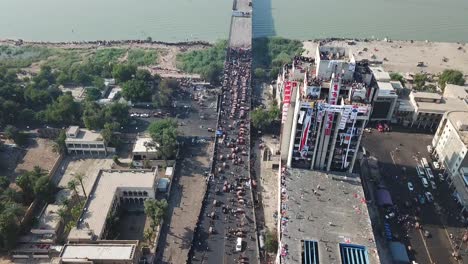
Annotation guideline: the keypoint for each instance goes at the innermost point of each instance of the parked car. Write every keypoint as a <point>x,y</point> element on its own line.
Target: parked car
<point>410,186</point>
<point>433,185</point>
<point>429,173</point>
<point>435,165</point>
<point>424,182</point>
<point>420,171</point>
<point>441,177</point>
<point>422,200</point>
<point>429,197</point>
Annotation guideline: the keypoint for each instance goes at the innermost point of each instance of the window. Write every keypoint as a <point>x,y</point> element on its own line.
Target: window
<point>354,254</point>
<point>310,254</point>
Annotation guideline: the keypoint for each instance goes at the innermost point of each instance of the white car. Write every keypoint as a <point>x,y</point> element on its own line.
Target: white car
<point>436,165</point>
<point>433,185</point>
<point>429,148</point>
<point>424,182</point>
<point>410,186</point>
<point>420,171</point>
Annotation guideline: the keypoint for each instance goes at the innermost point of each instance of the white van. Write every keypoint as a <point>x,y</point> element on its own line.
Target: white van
<point>239,244</point>
<point>425,183</point>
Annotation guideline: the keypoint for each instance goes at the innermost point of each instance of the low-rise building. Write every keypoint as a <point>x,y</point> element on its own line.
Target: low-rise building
<point>84,141</point>
<point>111,189</point>
<point>430,107</point>
<point>101,252</point>
<point>450,146</point>
<point>144,149</point>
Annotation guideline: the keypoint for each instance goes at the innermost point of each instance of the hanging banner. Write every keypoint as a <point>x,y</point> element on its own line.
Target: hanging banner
<point>301,117</point>
<point>305,129</point>
<point>287,93</point>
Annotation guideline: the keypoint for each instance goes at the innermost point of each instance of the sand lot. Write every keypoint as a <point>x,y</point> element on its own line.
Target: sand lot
<point>403,56</point>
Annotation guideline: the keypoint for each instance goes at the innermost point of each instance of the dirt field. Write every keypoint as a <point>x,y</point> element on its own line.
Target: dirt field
<point>40,153</point>
<point>87,165</point>
<point>403,56</point>
<point>185,204</point>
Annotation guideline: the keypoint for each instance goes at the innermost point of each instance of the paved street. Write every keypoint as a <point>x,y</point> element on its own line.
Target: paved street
<point>184,204</point>
<point>398,153</point>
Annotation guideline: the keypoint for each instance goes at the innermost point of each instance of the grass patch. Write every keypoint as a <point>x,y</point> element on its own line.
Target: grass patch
<point>65,59</point>
<point>141,57</point>
<point>24,56</point>
<point>104,56</point>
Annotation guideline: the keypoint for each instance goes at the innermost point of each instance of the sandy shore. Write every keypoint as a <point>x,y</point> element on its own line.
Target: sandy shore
<point>403,56</point>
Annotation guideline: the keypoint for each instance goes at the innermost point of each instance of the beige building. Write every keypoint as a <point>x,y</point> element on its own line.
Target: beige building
<point>84,141</point>
<point>430,107</point>
<point>111,189</point>
<point>144,149</point>
<point>102,252</point>
<point>450,146</point>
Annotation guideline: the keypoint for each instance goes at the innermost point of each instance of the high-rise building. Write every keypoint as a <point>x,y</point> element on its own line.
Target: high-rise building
<point>325,111</point>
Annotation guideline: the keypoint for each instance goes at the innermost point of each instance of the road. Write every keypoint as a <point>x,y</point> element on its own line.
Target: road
<point>398,153</point>
<point>228,209</point>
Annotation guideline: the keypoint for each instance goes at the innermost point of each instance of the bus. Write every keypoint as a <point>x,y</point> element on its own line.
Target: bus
<point>424,163</point>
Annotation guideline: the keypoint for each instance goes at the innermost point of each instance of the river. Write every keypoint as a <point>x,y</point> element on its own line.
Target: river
<point>181,20</point>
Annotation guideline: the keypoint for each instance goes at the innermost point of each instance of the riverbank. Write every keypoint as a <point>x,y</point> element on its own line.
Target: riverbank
<point>402,56</point>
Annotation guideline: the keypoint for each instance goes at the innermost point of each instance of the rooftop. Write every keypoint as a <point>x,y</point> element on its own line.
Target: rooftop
<point>456,91</point>
<point>83,134</point>
<point>426,95</point>
<point>145,144</point>
<point>380,74</point>
<point>447,104</point>
<point>102,195</point>
<point>333,53</point>
<point>460,119</point>
<point>98,252</point>
<point>337,214</point>
<point>386,89</point>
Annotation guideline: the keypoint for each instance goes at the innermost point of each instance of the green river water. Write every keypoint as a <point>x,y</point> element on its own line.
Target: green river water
<point>181,20</point>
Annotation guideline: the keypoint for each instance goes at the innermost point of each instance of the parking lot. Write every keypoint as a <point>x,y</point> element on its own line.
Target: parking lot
<point>398,154</point>
<point>194,108</point>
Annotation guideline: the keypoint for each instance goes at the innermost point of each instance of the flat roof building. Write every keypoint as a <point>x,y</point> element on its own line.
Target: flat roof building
<point>331,59</point>
<point>105,252</point>
<point>324,219</point>
<point>322,121</point>
<point>84,141</point>
<point>111,188</point>
<point>144,149</point>
<point>450,144</point>
<point>430,107</point>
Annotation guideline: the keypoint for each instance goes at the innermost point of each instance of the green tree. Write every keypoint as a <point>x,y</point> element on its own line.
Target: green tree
<point>4,182</point>
<point>44,189</point>
<point>166,89</point>
<point>394,76</point>
<point>419,81</point>
<point>123,72</point>
<point>72,186</point>
<point>59,143</point>
<point>93,116</point>
<point>9,230</point>
<point>93,94</point>
<point>80,178</point>
<point>117,113</point>
<point>64,111</point>
<point>136,91</point>
<point>259,73</point>
<point>271,241</point>
<point>155,210</point>
<point>260,118</point>
<point>143,75</point>
<point>26,182</point>
<point>157,128</point>
<point>451,77</point>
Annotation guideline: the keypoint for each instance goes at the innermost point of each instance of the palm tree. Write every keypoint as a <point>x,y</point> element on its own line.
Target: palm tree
<point>14,209</point>
<point>72,184</point>
<point>80,177</point>
<point>63,214</point>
